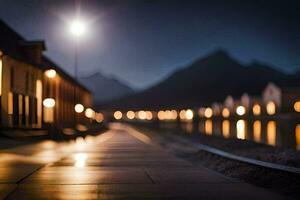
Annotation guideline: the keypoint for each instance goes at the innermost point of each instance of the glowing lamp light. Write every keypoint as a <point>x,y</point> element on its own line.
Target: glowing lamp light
<point>89,113</point>
<point>50,73</point>
<point>256,109</point>
<point>182,114</point>
<point>271,108</point>
<point>208,113</point>
<point>130,114</point>
<point>161,115</point>
<point>189,114</point>
<point>297,106</point>
<point>79,108</point>
<point>149,115</point>
<point>225,112</point>
<point>118,115</point>
<point>77,28</point>
<point>99,117</point>
<point>240,110</point>
<point>49,103</point>
<point>142,115</point>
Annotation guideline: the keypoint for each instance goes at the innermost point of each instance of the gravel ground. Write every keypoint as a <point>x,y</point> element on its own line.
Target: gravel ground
<point>282,182</point>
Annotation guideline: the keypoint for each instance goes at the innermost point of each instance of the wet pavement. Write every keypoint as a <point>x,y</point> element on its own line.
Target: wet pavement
<point>119,164</point>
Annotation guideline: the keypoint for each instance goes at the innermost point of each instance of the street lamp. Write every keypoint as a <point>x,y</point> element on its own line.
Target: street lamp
<point>77,29</point>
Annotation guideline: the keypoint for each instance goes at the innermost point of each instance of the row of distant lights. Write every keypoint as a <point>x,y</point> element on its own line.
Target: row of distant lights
<point>240,110</point>
<point>162,115</point>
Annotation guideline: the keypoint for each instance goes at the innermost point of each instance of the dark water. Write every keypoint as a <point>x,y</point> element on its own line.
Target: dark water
<point>284,133</point>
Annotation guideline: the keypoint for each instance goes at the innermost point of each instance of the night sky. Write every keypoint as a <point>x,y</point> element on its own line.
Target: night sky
<point>141,42</point>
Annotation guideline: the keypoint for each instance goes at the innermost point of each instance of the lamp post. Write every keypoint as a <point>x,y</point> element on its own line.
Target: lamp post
<point>77,29</point>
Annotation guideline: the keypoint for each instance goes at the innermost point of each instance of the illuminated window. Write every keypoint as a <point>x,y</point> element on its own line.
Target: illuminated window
<point>256,109</point>
<point>240,110</point>
<point>226,128</point>
<point>271,108</point>
<point>225,112</point>
<point>297,106</point>
<point>241,129</point>
<point>271,133</point>
<point>189,114</point>
<point>257,131</point>
<point>208,112</point>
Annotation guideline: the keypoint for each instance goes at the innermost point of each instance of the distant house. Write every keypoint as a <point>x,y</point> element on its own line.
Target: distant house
<point>281,98</point>
<point>252,104</point>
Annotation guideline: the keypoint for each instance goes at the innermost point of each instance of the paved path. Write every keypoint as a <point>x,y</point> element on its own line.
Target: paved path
<point>119,164</point>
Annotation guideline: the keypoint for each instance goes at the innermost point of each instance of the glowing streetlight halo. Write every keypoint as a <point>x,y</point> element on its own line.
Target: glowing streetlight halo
<point>77,28</point>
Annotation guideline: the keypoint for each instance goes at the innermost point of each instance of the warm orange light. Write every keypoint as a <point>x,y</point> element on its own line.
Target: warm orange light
<point>130,114</point>
<point>297,136</point>
<point>89,113</point>
<point>79,108</point>
<point>118,115</point>
<point>49,102</point>
<point>240,110</point>
<point>99,117</point>
<point>189,114</point>
<point>271,108</point>
<point>226,128</point>
<point>225,112</point>
<point>241,129</point>
<point>271,133</point>
<point>182,114</point>
<point>142,115</point>
<point>208,113</point>
<point>149,115</point>
<point>174,114</point>
<point>80,160</point>
<point>257,131</point>
<point>297,106</point>
<point>208,126</point>
<point>50,73</point>
<point>161,115</point>
<point>256,109</point>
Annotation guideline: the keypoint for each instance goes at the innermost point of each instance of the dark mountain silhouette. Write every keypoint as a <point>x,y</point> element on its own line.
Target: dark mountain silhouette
<point>105,88</point>
<point>205,81</point>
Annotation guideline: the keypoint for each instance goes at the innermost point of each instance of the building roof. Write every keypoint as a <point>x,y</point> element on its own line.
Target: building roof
<point>11,43</point>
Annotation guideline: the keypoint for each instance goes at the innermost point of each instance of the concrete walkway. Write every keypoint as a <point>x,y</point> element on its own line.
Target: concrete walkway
<point>119,164</point>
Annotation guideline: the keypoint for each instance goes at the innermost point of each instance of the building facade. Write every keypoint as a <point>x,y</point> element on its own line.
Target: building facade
<point>34,91</point>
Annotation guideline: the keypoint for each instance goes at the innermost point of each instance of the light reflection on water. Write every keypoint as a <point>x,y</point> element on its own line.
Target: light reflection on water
<point>241,129</point>
<point>272,132</point>
<point>80,160</point>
